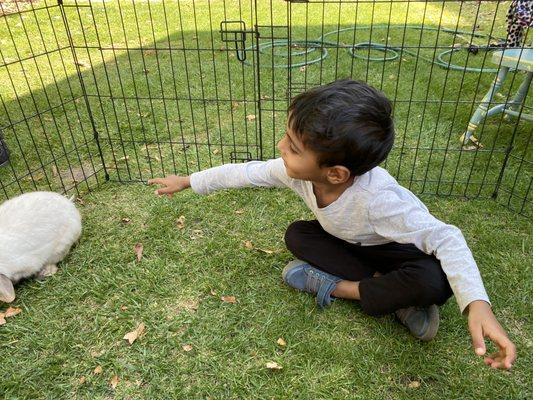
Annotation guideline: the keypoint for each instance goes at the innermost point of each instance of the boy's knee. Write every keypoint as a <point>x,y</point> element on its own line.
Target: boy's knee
<point>294,233</point>
<point>431,286</point>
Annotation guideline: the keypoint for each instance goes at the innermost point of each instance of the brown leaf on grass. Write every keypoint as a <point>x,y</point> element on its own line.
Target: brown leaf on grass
<point>250,117</point>
<point>125,220</point>
<point>180,222</point>
<point>55,171</point>
<point>2,319</point>
<point>229,299</point>
<point>12,311</point>
<point>248,244</point>
<point>133,335</point>
<point>96,354</point>
<point>139,251</point>
<point>186,347</point>
<point>414,384</point>
<point>82,380</point>
<point>123,308</point>
<point>266,251</point>
<point>216,151</point>
<point>114,382</point>
<point>303,68</point>
<point>98,370</point>
<point>281,342</point>
<point>272,365</point>
<point>80,201</point>
<point>188,305</point>
<point>239,212</point>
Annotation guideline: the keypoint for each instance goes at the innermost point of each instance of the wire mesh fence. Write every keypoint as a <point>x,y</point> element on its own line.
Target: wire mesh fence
<point>126,90</point>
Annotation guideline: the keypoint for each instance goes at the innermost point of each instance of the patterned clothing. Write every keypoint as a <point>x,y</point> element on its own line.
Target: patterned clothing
<point>519,18</point>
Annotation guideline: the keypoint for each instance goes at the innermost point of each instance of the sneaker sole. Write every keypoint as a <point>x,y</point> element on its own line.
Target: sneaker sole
<point>434,321</point>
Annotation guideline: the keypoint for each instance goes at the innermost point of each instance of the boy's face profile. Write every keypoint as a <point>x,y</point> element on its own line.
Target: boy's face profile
<point>300,162</point>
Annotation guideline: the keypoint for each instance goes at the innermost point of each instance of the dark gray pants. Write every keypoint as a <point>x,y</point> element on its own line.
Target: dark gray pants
<point>409,277</point>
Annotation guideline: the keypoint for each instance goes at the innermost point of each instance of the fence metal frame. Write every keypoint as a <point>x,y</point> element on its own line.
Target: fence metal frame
<point>100,103</point>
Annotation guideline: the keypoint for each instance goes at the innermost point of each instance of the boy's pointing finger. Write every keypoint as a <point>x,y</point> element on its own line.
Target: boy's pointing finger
<point>153,181</point>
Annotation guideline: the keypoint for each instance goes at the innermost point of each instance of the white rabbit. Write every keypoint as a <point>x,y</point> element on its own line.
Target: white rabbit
<point>37,230</point>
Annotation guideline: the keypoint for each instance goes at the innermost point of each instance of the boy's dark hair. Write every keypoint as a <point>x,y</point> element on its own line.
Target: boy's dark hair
<point>345,122</point>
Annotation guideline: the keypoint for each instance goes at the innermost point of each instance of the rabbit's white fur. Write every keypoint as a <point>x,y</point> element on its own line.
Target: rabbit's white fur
<point>36,229</point>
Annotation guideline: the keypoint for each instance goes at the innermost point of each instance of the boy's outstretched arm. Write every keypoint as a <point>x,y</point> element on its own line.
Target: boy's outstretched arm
<point>171,183</point>
<point>482,323</point>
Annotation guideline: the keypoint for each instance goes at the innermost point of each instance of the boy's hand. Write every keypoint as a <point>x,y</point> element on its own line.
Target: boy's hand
<point>172,183</point>
<point>482,323</point>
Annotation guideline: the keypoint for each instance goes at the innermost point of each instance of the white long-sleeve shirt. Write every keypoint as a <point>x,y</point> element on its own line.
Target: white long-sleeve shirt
<point>374,210</point>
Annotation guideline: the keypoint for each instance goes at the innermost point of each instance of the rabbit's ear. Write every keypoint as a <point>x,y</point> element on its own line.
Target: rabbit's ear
<point>7,291</point>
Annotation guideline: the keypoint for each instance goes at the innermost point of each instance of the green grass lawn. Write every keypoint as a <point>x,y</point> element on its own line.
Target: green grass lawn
<point>161,106</point>
<point>74,322</point>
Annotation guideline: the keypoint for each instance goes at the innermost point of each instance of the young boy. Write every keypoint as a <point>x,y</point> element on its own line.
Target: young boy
<point>372,240</point>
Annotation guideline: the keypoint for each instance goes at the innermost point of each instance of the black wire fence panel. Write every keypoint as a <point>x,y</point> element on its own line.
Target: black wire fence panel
<point>127,90</point>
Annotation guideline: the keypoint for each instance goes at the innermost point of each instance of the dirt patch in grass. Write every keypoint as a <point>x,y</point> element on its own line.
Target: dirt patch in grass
<point>14,6</point>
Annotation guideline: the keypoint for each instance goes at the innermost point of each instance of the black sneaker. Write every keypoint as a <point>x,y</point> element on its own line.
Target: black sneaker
<point>422,322</point>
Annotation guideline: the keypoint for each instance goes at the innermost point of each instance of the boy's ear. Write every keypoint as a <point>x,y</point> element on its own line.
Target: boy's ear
<point>338,174</point>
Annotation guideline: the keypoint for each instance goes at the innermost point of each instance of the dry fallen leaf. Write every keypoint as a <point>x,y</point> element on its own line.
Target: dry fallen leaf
<point>273,365</point>
<point>414,384</point>
<point>265,250</point>
<point>55,171</point>
<point>239,212</point>
<point>229,299</point>
<point>95,353</point>
<point>123,308</point>
<point>97,370</point>
<point>303,68</point>
<point>2,319</point>
<point>248,244</point>
<point>180,222</point>
<point>133,335</point>
<point>82,380</point>
<point>281,342</point>
<point>216,151</point>
<point>125,220</point>
<point>139,251</point>
<point>114,382</point>
<point>250,117</point>
<point>80,201</point>
<point>12,311</point>
<point>186,347</point>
